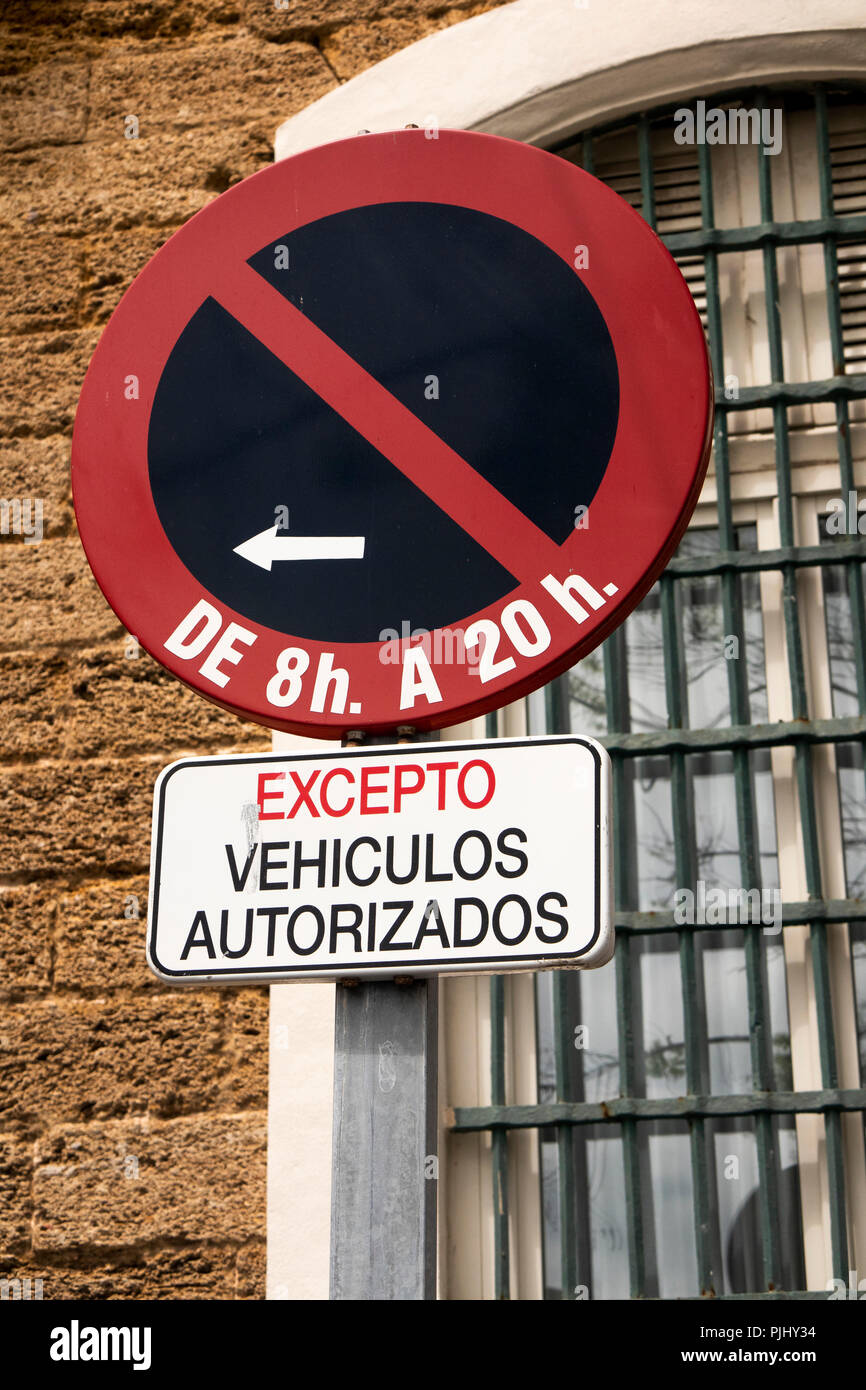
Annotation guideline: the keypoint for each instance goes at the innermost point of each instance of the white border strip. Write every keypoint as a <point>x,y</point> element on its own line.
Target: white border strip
<point>538,69</point>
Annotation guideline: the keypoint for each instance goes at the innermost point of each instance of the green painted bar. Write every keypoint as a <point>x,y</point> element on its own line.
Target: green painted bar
<point>691,1107</point>
<point>757,984</point>
<point>770,233</point>
<point>780,1295</point>
<point>629,1010</point>
<point>707,1239</point>
<point>796,732</point>
<point>557,717</point>
<point>838,1203</point>
<point>756,561</point>
<point>796,392</point>
<point>780,428</point>
<point>499,1141</point>
<point>634,1169</point>
<point>565,1143</point>
<point>791,915</point>
<point>573,1177</point>
<point>647,182</point>
<point>637,1165</point>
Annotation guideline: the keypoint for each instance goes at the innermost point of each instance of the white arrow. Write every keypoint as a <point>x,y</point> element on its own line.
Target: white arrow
<point>267,546</point>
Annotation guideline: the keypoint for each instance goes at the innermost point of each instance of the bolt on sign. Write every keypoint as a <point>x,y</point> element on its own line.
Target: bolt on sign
<point>392,433</point>
<point>410,860</point>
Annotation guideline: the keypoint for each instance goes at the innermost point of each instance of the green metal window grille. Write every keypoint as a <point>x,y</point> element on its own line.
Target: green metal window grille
<point>649,1104</point>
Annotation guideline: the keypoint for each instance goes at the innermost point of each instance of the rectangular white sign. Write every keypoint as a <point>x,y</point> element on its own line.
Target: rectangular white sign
<point>375,862</point>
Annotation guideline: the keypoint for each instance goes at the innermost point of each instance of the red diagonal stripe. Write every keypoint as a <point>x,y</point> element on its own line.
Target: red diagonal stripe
<point>410,445</point>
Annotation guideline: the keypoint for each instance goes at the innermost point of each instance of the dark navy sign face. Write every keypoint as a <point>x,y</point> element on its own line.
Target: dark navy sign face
<point>392,433</point>
<point>476,327</point>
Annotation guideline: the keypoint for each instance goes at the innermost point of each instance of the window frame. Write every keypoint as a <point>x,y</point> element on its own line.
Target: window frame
<point>784,499</point>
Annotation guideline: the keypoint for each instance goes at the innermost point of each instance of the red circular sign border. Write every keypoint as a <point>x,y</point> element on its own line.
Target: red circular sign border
<point>665,387</point>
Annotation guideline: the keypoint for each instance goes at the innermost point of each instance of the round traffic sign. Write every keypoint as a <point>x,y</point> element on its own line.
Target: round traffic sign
<point>392,432</point>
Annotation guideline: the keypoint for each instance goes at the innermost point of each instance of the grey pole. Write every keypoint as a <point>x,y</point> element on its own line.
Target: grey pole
<point>385,1164</point>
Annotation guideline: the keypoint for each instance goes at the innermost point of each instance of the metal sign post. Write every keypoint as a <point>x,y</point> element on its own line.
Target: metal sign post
<point>385,1166</point>
<point>385,1163</point>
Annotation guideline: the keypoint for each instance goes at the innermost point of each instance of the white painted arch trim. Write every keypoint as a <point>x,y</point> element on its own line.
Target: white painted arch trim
<point>536,70</point>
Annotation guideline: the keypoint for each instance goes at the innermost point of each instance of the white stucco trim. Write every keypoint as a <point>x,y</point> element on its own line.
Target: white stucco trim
<point>300,1115</point>
<point>300,1108</point>
<point>537,70</point>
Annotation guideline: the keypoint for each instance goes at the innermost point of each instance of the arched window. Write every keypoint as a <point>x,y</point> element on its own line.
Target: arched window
<point>691,1116</point>
<point>700,1100</point>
